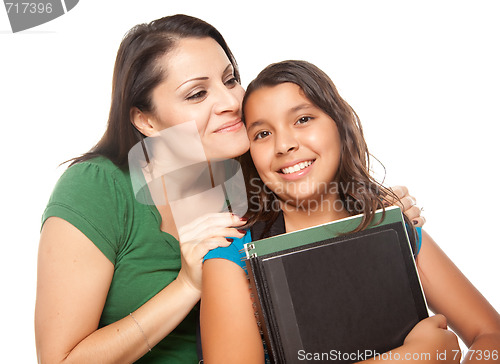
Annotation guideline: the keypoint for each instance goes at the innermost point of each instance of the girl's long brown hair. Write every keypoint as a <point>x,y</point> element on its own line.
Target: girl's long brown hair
<point>360,192</point>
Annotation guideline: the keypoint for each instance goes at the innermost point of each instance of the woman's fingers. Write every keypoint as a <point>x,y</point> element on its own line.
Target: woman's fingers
<point>399,191</point>
<point>208,226</point>
<point>413,212</point>
<point>206,245</point>
<point>200,236</point>
<point>407,203</point>
<point>418,221</point>
<point>220,238</point>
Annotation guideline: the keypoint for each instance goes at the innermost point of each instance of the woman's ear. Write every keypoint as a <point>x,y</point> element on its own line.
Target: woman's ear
<point>141,121</point>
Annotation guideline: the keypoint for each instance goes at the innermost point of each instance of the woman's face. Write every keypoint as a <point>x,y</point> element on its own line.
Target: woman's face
<point>294,145</point>
<point>200,86</point>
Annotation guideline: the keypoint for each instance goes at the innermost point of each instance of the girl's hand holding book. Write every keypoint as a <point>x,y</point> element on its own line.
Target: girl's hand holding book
<point>431,341</point>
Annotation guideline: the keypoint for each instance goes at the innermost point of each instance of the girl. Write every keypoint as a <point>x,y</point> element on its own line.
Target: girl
<point>307,150</point>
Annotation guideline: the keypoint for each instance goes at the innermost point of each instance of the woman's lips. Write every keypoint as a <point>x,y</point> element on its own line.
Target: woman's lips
<point>230,127</point>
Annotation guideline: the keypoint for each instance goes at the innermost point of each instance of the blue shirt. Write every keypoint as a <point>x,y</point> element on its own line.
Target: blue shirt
<point>233,252</point>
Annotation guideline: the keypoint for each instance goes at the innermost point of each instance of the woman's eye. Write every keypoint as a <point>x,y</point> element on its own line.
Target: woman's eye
<point>198,95</point>
<point>262,135</point>
<point>304,120</point>
<point>231,82</point>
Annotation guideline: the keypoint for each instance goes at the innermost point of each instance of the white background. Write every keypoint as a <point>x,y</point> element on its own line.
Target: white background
<point>423,77</point>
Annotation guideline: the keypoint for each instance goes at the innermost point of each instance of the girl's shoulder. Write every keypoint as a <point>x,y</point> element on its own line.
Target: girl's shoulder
<point>234,252</point>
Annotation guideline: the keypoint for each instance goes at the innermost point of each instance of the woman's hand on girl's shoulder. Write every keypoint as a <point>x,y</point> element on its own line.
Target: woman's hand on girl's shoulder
<point>407,203</point>
<point>200,236</point>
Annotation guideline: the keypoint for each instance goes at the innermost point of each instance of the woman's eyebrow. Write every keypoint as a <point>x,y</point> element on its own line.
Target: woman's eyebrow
<point>192,79</point>
<point>228,67</point>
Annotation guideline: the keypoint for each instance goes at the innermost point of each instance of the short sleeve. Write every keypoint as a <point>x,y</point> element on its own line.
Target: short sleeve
<point>90,198</point>
<point>419,239</point>
<point>233,252</point>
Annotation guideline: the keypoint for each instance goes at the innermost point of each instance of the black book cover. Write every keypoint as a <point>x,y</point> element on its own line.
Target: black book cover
<point>343,298</point>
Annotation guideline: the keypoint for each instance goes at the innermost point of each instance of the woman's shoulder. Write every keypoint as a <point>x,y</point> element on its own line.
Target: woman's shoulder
<point>91,184</point>
<point>94,166</point>
<point>94,196</point>
<point>93,175</point>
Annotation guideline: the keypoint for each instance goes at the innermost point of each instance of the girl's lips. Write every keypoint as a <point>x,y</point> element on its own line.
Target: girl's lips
<point>229,127</point>
<point>298,174</point>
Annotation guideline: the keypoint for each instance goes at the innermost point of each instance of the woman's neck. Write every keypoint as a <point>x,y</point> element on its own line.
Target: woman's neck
<point>297,217</point>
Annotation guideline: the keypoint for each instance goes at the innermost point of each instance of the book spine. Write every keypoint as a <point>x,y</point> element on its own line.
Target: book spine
<point>260,311</point>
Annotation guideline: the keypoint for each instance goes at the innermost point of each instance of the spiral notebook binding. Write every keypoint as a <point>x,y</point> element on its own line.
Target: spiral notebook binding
<point>248,248</point>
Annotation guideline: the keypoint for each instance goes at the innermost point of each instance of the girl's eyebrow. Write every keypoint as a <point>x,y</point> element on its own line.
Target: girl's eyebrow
<point>229,66</point>
<point>293,110</point>
<point>255,124</point>
<point>300,107</point>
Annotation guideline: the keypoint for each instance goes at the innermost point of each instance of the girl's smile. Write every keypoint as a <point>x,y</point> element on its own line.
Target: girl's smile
<point>297,170</point>
<point>295,146</point>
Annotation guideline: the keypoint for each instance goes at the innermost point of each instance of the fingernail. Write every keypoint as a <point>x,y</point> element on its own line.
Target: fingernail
<point>241,231</point>
<point>230,240</point>
<point>243,219</point>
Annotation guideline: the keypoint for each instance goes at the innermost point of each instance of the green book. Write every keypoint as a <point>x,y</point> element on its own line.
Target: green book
<point>325,294</point>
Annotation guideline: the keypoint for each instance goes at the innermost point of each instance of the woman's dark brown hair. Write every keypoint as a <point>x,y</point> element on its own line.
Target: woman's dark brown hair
<point>359,191</point>
<point>137,73</point>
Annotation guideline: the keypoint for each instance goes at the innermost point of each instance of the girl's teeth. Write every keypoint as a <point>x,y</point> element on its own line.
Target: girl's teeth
<point>296,167</point>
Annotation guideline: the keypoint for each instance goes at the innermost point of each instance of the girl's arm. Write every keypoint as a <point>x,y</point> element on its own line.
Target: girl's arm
<point>468,313</point>
<point>229,329</point>
<point>450,293</point>
<point>74,277</point>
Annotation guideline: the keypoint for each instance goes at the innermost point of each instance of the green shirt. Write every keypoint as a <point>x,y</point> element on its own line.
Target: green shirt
<point>97,198</point>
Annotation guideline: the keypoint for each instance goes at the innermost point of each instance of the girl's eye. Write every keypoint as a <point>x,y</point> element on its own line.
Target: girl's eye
<point>304,120</point>
<point>262,135</point>
<point>196,96</point>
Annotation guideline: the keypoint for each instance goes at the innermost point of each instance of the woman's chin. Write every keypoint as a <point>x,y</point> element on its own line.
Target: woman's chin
<point>230,145</point>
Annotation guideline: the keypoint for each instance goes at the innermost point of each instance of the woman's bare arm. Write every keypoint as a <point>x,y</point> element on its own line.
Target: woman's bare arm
<point>73,281</point>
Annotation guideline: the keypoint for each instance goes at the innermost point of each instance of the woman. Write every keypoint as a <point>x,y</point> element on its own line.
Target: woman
<point>114,282</point>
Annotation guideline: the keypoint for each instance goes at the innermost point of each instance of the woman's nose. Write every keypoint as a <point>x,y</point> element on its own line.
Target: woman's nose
<point>229,99</point>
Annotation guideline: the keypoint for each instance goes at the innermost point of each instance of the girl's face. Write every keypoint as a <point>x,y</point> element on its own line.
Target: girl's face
<point>294,145</point>
<point>200,86</point>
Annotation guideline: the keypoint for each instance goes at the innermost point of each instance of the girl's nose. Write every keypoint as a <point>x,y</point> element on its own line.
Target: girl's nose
<point>285,142</point>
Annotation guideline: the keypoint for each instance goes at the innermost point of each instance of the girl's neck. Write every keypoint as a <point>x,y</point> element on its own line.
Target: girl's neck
<point>297,218</point>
